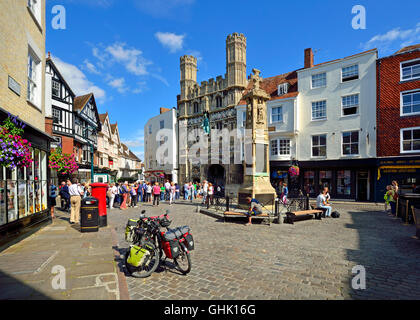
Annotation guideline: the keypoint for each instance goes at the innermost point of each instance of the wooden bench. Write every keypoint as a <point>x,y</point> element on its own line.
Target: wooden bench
<point>231,214</point>
<point>291,216</point>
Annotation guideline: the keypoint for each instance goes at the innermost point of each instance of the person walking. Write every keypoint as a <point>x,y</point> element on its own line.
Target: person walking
<point>133,194</point>
<point>156,194</point>
<point>186,191</point>
<point>393,196</point>
<point>167,190</point>
<point>177,191</point>
<point>205,191</point>
<point>124,193</point>
<point>149,193</point>
<point>76,194</point>
<point>65,196</point>
<point>53,198</point>
<point>210,193</point>
<point>113,193</point>
<point>172,192</point>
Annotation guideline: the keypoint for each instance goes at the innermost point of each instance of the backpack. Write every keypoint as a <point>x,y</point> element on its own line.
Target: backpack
<point>395,196</point>
<point>335,215</point>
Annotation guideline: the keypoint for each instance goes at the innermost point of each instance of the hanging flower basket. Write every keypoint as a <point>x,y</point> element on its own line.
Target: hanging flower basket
<point>65,164</point>
<point>294,171</point>
<point>14,150</point>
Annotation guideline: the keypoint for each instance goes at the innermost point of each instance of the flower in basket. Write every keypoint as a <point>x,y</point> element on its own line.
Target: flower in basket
<point>14,150</point>
<point>294,171</point>
<point>63,163</point>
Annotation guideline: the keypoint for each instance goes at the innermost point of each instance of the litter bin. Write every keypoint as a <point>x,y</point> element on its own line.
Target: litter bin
<point>99,192</point>
<point>89,215</point>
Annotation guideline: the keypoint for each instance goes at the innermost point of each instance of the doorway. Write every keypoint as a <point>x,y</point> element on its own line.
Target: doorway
<point>362,182</point>
<point>216,175</point>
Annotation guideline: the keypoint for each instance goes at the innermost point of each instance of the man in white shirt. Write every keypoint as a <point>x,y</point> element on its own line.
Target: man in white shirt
<point>205,191</point>
<point>321,202</point>
<point>167,190</point>
<point>114,192</point>
<point>75,200</point>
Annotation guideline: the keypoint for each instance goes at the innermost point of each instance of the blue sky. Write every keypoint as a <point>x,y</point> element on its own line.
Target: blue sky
<point>127,51</point>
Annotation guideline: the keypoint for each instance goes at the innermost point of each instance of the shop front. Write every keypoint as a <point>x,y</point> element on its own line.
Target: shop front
<point>346,179</point>
<point>24,191</point>
<point>279,172</point>
<point>404,170</point>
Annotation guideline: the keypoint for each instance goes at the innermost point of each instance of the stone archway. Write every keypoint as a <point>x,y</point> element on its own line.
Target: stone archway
<point>217,175</point>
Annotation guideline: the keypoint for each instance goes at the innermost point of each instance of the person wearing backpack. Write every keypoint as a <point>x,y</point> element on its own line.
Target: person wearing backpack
<point>387,197</point>
<point>392,196</point>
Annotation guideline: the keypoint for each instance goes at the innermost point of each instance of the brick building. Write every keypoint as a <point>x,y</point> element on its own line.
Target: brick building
<point>398,119</point>
<point>24,191</point>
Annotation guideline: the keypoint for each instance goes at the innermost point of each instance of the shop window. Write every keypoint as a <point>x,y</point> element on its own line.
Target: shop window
<point>344,182</point>
<point>309,182</point>
<point>325,178</point>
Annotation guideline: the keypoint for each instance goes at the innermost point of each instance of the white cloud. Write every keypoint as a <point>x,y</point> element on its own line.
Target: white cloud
<point>131,58</point>
<point>172,41</point>
<point>136,143</point>
<point>78,80</point>
<point>118,84</point>
<point>395,38</point>
<point>196,54</point>
<point>90,67</point>
<point>141,86</point>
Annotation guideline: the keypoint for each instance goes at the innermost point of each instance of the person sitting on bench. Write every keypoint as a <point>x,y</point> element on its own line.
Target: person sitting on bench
<point>321,202</point>
<point>254,209</point>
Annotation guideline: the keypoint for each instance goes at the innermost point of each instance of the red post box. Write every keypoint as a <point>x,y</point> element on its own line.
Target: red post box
<point>99,192</point>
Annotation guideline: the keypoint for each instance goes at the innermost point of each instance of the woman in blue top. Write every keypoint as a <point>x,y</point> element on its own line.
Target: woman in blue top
<point>53,196</point>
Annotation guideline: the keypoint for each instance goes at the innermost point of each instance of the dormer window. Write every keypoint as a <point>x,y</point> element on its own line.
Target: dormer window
<point>56,89</point>
<point>283,89</point>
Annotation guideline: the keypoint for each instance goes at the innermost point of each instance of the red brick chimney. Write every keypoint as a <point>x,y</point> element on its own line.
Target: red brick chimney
<point>309,58</point>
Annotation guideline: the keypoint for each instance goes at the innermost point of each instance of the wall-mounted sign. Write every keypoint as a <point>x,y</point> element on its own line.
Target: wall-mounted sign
<point>57,143</point>
<point>14,86</point>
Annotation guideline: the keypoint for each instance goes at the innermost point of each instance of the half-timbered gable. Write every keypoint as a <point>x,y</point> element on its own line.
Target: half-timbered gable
<point>86,123</point>
<point>59,101</point>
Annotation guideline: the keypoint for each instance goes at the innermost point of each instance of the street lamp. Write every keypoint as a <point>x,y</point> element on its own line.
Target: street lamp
<point>91,149</point>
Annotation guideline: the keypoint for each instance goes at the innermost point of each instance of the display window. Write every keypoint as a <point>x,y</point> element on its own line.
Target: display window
<point>344,182</point>
<point>24,191</point>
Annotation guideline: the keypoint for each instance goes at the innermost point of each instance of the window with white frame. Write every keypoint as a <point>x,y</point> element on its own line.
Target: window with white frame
<point>35,7</point>
<point>350,73</point>
<point>351,143</point>
<point>274,147</point>
<point>319,145</point>
<point>319,110</point>
<point>410,102</point>
<point>276,114</point>
<point>283,88</point>
<point>350,104</point>
<point>319,80</point>
<point>56,89</point>
<point>57,115</point>
<point>280,147</point>
<point>410,140</point>
<point>34,79</point>
<point>410,70</point>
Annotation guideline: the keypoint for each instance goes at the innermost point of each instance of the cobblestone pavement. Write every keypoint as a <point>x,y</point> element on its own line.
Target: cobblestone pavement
<point>27,269</point>
<point>309,260</point>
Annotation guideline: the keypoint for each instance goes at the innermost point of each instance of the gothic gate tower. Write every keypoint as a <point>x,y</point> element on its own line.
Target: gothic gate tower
<point>236,60</point>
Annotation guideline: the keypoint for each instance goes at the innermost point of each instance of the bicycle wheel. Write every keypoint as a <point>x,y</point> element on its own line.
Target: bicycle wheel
<point>183,262</point>
<point>149,266</point>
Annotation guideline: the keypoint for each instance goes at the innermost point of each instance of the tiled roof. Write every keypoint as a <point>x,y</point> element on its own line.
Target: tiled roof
<point>80,102</point>
<point>271,84</point>
<point>102,117</point>
<point>409,48</point>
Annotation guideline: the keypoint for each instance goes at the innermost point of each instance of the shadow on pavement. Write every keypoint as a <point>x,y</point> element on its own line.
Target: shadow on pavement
<point>389,255</point>
<point>13,289</point>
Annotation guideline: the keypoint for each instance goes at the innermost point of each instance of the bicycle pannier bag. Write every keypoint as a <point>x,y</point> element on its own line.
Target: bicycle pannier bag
<point>129,230</point>
<point>137,256</point>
